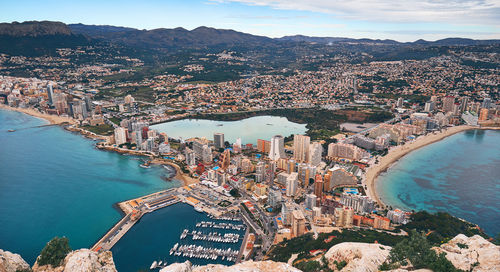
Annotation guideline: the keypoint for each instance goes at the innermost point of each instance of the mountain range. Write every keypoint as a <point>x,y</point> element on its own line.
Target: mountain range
<point>40,37</point>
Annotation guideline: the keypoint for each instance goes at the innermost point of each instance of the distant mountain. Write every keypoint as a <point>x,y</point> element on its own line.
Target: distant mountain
<point>443,42</point>
<point>163,38</point>
<point>37,38</point>
<point>328,40</point>
<point>97,30</point>
<point>34,29</point>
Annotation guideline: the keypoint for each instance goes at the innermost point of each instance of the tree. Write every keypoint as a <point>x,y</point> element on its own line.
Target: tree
<point>54,252</point>
<point>417,250</point>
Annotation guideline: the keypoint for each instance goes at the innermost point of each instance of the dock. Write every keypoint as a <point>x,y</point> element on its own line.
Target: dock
<point>134,209</point>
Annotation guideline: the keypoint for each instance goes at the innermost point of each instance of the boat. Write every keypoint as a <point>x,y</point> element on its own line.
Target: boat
<point>153,265</point>
<point>145,165</point>
<point>219,125</point>
<point>11,130</point>
<point>198,209</point>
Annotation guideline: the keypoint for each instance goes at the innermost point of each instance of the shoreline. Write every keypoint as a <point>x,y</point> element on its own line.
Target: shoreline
<point>52,119</point>
<point>395,154</point>
<point>59,120</point>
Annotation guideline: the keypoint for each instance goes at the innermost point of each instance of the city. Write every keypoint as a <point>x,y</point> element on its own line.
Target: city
<point>296,153</point>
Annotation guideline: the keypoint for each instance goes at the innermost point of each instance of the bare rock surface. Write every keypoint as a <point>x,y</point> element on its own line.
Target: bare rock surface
<point>472,252</point>
<point>360,257</point>
<point>11,262</point>
<point>248,266</point>
<point>82,260</point>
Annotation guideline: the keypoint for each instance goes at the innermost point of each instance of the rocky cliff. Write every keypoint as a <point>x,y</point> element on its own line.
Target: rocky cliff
<point>82,260</point>
<point>465,253</point>
<point>474,253</point>
<point>248,266</point>
<point>10,262</point>
<point>362,257</point>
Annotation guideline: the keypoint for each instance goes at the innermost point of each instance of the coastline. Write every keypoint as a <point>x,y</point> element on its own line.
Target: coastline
<point>59,120</point>
<point>400,151</point>
<point>52,119</point>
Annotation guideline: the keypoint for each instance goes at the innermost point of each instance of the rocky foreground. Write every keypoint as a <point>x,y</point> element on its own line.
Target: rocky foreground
<point>466,253</point>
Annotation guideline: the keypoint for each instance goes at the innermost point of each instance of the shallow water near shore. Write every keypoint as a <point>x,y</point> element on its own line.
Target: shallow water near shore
<point>459,174</point>
<point>56,183</point>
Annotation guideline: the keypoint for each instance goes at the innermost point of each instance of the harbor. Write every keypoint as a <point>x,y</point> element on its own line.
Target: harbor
<point>217,238</point>
<point>134,209</point>
<point>207,253</point>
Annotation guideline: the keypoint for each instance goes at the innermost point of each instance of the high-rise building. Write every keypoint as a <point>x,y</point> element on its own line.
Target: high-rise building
<point>347,151</point>
<point>263,146</point>
<point>88,103</point>
<point>120,135</point>
<point>221,177</point>
<point>464,103</point>
<point>311,201</point>
<point>318,187</point>
<point>198,146</point>
<point>344,217</point>
<point>190,157</point>
<point>361,204</point>
<point>483,114</point>
<point>399,104</point>
<point>274,198</point>
<point>286,213</point>
<point>277,148</point>
<point>50,94</point>
<point>429,106</point>
<point>448,103</point>
<point>219,140</point>
<point>298,223</point>
<point>226,159</point>
<point>291,184</point>
<point>206,154</point>
<point>486,103</point>
<point>301,147</point>
<point>315,152</point>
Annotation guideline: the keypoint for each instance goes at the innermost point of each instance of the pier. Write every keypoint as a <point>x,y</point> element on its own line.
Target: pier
<point>134,209</point>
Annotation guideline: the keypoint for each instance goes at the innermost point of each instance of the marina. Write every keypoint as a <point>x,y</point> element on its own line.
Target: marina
<point>222,225</point>
<point>212,236</point>
<point>207,253</point>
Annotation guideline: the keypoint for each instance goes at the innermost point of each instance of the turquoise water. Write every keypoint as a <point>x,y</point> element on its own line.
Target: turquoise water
<point>460,175</point>
<point>55,183</point>
<point>249,130</point>
<point>156,233</point>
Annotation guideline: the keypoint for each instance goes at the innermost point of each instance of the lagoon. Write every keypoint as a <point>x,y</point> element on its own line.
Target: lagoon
<point>459,175</point>
<point>249,130</point>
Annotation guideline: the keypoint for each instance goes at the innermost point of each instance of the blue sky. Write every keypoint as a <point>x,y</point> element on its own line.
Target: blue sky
<point>403,20</point>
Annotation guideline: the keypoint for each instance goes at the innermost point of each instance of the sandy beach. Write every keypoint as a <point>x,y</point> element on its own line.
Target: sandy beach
<point>53,119</point>
<point>398,152</point>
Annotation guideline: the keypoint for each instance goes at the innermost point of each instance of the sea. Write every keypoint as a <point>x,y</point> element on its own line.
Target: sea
<point>459,175</point>
<point>56,183</point>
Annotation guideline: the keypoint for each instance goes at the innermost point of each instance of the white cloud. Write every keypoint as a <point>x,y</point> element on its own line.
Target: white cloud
<point>477,12</point>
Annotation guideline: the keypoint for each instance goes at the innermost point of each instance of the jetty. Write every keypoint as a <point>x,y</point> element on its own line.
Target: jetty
<point>134,209</point>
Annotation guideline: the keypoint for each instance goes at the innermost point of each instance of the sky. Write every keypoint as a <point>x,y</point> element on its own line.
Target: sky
<point>402,20</point>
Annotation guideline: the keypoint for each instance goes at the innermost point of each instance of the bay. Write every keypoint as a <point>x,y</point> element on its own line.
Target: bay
<point>459,175</point>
